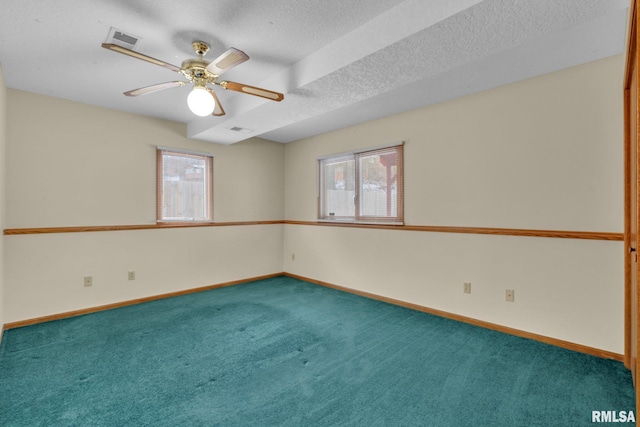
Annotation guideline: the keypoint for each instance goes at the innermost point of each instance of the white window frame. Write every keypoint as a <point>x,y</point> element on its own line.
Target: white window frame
<point>355,156</point>
<point>207,191</point>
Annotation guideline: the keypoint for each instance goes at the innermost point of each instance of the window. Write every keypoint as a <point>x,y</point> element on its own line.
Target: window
<point>184,186</point>
<point>364,186</point>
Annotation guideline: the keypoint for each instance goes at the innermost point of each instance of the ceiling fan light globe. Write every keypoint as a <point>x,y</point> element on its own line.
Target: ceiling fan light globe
<point>200,102</point>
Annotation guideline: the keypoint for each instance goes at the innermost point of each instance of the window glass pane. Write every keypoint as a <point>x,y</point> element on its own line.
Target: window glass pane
<point>366,186</point>
<point>378,195</point>
<point>185,187</point>
<point>338,188</point>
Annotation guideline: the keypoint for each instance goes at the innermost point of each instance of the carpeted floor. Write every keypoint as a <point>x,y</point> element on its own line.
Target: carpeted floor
<point>285,352</point>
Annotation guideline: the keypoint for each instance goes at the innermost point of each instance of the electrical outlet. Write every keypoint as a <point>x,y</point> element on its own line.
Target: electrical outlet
<point>293,256</point>
<point>131,275</point>
<point>88,281</point>
<point>510,295</point>
<point>467,288</point>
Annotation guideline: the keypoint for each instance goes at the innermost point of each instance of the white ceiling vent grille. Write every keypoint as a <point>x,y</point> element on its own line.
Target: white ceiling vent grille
<point>122,39</point>
<point>241,130</point>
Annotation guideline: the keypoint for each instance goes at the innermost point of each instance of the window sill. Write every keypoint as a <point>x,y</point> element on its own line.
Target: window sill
<point>354,222</point>
<point>183,222</point>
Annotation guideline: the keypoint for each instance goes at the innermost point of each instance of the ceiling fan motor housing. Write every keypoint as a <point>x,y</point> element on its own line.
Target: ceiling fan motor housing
<point>197,69</point>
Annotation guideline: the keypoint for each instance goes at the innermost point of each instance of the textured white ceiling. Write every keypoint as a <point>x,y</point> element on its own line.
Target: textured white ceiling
<point>339,62</point>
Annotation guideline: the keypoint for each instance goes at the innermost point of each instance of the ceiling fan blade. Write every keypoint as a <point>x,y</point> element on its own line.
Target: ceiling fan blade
<point>218,111</point>
<point>134,54</point>
<point>227,60</point>
<point>252,90</point>
<point>154,88</point>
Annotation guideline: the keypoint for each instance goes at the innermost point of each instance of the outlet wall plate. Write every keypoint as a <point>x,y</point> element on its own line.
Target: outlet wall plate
<point>510,295</point>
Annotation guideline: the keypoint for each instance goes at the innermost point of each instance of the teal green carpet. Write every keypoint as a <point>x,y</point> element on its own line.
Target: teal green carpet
<point>285,352</point>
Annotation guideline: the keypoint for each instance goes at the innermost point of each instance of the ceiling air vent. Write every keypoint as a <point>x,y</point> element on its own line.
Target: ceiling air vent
<point>122,39</point>
<point>241,130</point>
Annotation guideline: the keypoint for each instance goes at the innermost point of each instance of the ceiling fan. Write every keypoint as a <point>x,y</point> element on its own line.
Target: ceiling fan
<point>202,100</point>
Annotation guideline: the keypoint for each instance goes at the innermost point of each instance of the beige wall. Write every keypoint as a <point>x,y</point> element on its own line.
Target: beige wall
<point>544,153</point>
<point>3,145</point>
<point>77,165</point>
<point>74,164</point>
<point>44,273</point>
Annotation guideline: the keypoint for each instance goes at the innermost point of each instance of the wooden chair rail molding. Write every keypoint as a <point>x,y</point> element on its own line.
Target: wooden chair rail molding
<point>561,234</point>
<point>165,225</point>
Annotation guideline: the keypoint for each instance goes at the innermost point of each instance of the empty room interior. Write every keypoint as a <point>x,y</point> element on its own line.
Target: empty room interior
<point>443,160</point>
